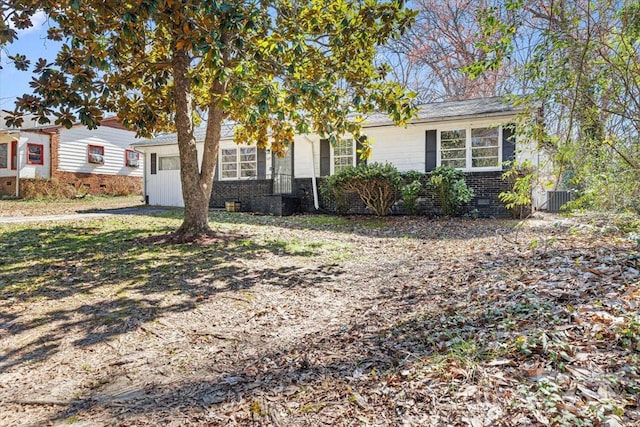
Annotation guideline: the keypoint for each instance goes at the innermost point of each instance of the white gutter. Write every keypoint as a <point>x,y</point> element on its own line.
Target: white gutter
<point>314,184</point>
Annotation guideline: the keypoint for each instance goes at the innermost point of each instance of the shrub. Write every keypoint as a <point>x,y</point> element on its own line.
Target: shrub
<point>41,188</point>
<point>411,190</point>
<point>451,189</point>
<point>518,199</point>
<point>376,184</point>
<point>123,186</point>
<point>410,194</point>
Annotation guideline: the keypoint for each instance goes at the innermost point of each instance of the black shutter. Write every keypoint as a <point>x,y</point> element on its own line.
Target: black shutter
<point>359,147</point>
<point>431,155</point>
<point>325,158</point>
<point>262,163</point>
<point>154,164</point>
<point>508,143</point>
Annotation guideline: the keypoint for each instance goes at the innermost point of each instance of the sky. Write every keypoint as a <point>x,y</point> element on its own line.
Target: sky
<point>33,43</point>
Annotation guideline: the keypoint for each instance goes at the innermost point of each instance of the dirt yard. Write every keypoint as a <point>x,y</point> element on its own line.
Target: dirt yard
<point>311,321</point>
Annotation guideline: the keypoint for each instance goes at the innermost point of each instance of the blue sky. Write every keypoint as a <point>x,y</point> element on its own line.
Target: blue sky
<point>34,44</point>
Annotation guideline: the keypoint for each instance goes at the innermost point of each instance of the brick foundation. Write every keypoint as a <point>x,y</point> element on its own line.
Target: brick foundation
<point>8,186</point>
<point>485,203</point>
<point>101,184</point>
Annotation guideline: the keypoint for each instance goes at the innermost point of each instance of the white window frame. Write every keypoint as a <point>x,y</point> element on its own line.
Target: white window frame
<point>334,156</point>
<point>468,148</point>
<point>238,162</point>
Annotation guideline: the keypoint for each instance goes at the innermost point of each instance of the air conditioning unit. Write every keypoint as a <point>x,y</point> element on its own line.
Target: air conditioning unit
<point>132,162</point>
<point>557,199</point>
<point>96,158</point>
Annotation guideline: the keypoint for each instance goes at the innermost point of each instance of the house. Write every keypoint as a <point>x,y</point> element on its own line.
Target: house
<point>98,161</point>
<point>476,136</point>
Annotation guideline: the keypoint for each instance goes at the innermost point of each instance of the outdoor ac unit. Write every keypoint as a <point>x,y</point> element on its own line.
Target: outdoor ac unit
<point>132,162</point>
<point>557,199</point>
<point>96,158</point>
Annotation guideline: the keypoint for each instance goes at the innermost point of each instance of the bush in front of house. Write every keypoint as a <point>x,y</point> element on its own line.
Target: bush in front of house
<point>411,190</point>
<point>376,184</point>
<point>450,188</point>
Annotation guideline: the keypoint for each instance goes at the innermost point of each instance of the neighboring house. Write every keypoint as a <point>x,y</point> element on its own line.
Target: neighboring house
<point>98,161</point>
<point>471,135</point>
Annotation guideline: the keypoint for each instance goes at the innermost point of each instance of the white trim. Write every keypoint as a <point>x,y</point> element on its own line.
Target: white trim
<point>238,176</point>
<point>468,149</point>
<point>332,154</point>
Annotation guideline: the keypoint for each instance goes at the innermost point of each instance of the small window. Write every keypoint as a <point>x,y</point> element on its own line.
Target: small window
<point>169,163</point>
<point>343,155</point>
<point>131,158</point>
<point>238,163</point>
<point>35,154</point>
<point>4,156</point>
<point>96,154</point>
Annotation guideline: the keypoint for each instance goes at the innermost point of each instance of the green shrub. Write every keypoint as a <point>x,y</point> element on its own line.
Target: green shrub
<point>410,194</point>
<point>376,184</point>
<point>518,199</point>
<point>450,188</point>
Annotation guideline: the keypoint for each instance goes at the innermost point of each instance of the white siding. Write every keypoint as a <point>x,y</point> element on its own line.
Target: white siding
<point>32,171</point>
<point>403,148</point>
<point>163,188</point>
<point>73,149</point>
<point>304,159</point>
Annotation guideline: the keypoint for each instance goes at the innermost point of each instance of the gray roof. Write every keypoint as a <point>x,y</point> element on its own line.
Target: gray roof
<point>438,111</point>
<point>171,138</point>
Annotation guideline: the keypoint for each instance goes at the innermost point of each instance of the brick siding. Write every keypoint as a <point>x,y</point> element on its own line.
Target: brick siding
<point>256,195</point>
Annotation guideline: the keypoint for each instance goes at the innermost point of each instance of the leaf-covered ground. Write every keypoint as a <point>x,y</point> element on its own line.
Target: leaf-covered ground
<point>314,320</point>
<point>23,207</point>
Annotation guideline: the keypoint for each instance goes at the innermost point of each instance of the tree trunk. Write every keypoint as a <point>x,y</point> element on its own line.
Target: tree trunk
<point>196,188</point>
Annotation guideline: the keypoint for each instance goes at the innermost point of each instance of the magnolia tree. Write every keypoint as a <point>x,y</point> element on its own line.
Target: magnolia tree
<point>274,68</point>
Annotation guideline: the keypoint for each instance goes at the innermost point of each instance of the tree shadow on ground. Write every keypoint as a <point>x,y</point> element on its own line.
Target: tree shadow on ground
<point>82,260</point>
<point>373,351</point>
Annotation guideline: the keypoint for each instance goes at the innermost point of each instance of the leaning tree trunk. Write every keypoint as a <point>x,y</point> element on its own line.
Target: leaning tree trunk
<point>196,184</point>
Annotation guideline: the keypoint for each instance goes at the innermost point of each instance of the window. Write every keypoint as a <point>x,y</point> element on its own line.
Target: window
<point>241,162</point>
<point>4,156</point>
<point>343,154</point>
<point>484,148</point>
<point>171,163</point>
<point>471,148</point>
<point>35,154</point>
<point>131,158</point>
<point>453,150</point>
<point>96,154</point>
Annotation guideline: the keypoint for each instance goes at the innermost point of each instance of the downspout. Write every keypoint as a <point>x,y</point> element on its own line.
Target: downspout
<point>314,183</point>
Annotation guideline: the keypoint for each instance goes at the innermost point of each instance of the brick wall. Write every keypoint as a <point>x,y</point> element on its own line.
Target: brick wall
<point>8,185</point>
<point>101,184</point>
<point>242,190</point>
<point>486,186</point>
<point>485,203</point>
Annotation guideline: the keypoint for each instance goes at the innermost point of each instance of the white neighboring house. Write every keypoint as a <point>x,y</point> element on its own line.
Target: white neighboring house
<point>476,136</point>
<point>98,161</point>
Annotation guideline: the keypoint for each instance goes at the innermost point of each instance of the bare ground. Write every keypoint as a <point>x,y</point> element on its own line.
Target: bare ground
<point>402,321</point>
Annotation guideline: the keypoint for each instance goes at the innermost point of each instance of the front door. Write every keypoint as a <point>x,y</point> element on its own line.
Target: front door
<point>283,172</point>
